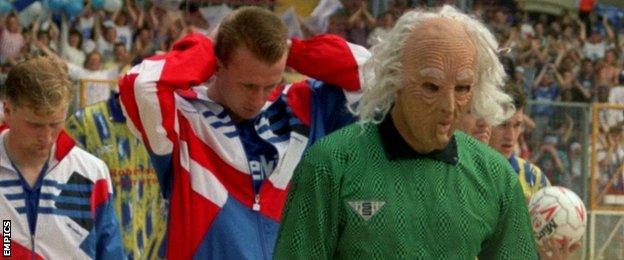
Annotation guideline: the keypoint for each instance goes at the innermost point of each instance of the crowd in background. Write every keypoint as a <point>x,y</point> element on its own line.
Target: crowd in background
<point>98,44</point>
<point>576,58</point>
<point>569,58</point>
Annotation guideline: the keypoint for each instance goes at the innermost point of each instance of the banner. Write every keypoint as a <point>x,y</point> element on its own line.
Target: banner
<point>319,20</point>
<point>215,14</point>
<point>290,19</point>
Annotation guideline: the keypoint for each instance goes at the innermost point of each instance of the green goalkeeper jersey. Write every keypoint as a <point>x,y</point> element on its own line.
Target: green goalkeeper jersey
<point>363,193</point>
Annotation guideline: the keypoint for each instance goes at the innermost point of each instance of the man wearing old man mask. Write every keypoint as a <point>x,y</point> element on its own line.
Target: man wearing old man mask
<point>402,183</point>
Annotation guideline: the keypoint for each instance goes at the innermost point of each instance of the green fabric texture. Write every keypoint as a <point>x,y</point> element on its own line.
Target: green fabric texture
<point>348,201</point>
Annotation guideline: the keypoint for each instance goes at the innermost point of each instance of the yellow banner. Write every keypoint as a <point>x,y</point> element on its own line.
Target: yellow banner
<point>303,7</point>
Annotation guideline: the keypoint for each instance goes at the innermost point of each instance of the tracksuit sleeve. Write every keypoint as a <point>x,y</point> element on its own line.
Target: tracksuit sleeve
<point>335,69</point>
<point>109,245</point>
<point>148,101</point>
<point>330,59</point>
<point>107,229</point>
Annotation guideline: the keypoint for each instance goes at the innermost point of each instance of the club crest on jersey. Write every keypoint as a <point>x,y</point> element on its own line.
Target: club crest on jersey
<point>366,208</point>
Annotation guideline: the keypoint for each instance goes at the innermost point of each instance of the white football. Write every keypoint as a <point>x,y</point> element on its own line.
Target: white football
<point>559,213</point>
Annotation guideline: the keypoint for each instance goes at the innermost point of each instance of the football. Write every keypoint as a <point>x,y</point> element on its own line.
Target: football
<point>559,213</point>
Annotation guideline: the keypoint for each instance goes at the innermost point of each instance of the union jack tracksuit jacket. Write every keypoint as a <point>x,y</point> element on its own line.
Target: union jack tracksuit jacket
<point>198,152</point>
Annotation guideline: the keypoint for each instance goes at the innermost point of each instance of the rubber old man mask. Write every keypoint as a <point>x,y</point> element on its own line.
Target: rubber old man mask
<point>439,64</point>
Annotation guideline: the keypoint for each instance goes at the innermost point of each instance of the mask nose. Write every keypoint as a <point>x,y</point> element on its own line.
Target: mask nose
<point>447,102</point>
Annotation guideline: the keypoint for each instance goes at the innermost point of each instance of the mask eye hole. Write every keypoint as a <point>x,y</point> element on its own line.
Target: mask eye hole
<point>430,87</point>
<point>462,89</point>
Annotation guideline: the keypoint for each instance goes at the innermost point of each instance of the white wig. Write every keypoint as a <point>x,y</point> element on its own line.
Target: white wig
<point>383,71</point>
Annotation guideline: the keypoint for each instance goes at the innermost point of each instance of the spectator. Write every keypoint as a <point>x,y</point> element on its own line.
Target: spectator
<point>121,60</point>
<point>86,22</point>
<point>566,83</point>
<point>144,45</point>
<point>387,22</point>
<point>526,28</point>
<point>595,46</point>
<point>608,71</point>
<point>174,29</point>
<point>544,90</point>
<point>399,7</point>
<point>531,54</point>
<point>93,92</point>
<point>611,152</point>
<point>563,129</point>
<point>43,37</point>
<point>540,35</point>
<point>122,26</point>
<point>11,40</point>
<point>576,166</point>
<point>194,19</point>
<point>104,42</point>
<point>71,42</point>
<point>553,161</point>
<point>518,78</point>
<point>569,38</point>
<point>92,69</point>
<point>360,24</point>
<point>567,60</point>
<point>338,25</point>
<point>586,79</point>
<point>499,24</point>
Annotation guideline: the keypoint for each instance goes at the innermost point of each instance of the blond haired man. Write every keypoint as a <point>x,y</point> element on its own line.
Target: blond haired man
<point>56,196</point>
<point>225,134</point>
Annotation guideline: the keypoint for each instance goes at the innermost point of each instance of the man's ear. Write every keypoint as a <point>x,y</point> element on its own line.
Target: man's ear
<point>220,66</point>
<point>6,109</point>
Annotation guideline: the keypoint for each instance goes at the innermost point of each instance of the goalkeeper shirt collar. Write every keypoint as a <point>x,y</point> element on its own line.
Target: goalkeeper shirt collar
<point>396,148</point>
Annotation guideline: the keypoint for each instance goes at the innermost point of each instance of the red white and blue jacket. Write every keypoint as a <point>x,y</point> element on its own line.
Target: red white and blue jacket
<point>74,216</point>
<point>201,156</point>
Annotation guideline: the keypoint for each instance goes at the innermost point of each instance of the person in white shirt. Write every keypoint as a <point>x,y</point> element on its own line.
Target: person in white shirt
<point>71,43</point>
<point>123,28</point>
<point>594,46</point>
<point>92,70</point>
<point>105,36</point>
<point>86,21</point>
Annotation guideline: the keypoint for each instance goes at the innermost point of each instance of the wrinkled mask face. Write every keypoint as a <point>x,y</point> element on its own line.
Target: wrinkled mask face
<point>439,74</point>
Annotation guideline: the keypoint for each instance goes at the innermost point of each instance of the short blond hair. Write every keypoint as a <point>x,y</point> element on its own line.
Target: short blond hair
<point>40,83</point>
<point>257,29</point>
